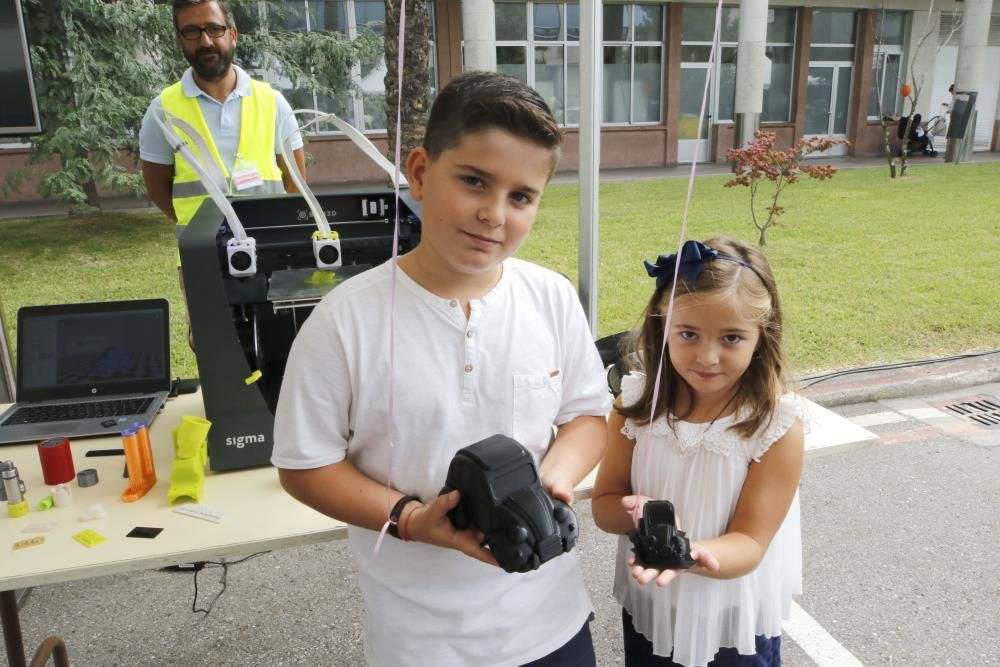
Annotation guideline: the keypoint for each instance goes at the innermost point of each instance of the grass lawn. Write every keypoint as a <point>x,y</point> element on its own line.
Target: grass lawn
<point>870,269</point>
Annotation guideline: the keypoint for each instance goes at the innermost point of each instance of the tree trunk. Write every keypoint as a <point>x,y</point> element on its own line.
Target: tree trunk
<point>90,189</point>
<point>887,147</point>
<point>906,139</point>
<point>416,76</point>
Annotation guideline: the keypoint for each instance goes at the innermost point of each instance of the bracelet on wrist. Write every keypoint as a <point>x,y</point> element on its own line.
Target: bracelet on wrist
<point>395,513</point>
<point>404,530</point>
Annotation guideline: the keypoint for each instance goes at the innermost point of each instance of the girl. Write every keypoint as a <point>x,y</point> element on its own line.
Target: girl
<point>725,446</point>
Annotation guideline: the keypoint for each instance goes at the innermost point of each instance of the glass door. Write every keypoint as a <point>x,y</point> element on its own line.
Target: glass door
<point>690,146</point>
<point>819,100</point>
<point>828,98</point>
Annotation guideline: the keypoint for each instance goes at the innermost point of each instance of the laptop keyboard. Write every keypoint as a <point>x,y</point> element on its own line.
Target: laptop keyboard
<point>41,414</point>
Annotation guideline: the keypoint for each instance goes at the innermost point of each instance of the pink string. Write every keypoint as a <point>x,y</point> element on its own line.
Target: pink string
<point>395,268</point>
<point>684,218</point>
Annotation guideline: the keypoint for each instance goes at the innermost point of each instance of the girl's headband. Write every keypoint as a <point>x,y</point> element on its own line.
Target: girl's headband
<point>694,255</point>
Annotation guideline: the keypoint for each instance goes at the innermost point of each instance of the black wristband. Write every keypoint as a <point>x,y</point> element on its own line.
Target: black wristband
<point>396,512</point>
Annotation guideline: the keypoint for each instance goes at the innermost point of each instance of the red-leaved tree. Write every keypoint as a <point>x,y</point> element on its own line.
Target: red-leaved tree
<point>760,161</point>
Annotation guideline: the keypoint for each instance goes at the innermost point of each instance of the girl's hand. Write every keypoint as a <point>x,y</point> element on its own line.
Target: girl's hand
<point>633,505</point>
<point>430,524</point>
<point>702,556</point>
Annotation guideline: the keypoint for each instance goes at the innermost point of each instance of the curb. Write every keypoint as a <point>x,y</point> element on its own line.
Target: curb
<point>875,384</point>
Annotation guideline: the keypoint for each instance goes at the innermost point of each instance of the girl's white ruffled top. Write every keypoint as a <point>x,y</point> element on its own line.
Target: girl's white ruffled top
<point>701,469</point>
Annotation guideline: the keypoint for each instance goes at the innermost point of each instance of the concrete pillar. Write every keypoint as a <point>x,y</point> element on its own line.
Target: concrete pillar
<point>750,69</point>
<point>479,33</point>
<point>975,31</point>
<point>672,106</point>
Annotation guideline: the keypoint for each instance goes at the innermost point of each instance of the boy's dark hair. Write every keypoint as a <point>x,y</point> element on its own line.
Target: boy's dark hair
<point>223,5</point>
<point>762,383</point>
<point>478,101</point>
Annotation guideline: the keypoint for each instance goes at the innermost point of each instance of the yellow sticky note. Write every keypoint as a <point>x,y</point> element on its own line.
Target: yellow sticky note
<point>30,542</point>
<point>89,538</point>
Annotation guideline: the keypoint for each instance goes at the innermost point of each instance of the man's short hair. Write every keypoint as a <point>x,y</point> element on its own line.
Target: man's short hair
<point>223,5</point>
<point>479,101</point>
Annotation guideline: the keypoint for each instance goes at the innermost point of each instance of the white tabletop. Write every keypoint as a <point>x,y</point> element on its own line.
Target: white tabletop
<point>259,515</point>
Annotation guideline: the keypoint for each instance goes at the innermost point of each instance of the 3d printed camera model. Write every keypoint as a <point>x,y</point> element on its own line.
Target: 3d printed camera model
<point>502,496</point>
<point>657,542</point>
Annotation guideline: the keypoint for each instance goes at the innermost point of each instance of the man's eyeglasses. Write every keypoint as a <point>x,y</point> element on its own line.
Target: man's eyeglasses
<point>193,32</point>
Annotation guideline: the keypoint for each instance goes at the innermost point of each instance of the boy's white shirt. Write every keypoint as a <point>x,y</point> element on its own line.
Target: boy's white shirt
<point>523,361</point>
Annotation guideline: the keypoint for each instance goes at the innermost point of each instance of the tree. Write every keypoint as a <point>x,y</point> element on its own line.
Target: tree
<point>910,84</point>
<point>416,76</point>
<point>92,93</point>
<point>760,161</point>
<point>90,98</point>
<point>273,41</point>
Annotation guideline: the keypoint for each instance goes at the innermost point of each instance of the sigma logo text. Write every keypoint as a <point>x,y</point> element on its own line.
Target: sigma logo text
<point>242,441</point>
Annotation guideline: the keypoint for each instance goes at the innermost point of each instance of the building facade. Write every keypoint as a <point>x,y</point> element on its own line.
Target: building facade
<point>833,68</point>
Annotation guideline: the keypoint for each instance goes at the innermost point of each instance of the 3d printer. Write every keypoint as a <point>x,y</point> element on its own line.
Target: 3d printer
<point>249,290</point>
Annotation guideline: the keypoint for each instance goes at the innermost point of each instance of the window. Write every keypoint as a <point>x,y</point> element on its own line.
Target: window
<point>698,28</point>
<point>779,54</point>
<point>633,63</point>
<point>539,43</point>
<point>888,73</point>
<point>832,36</point>
<point>550,33</point>
<point>831,70</point>
<point>363,107</point>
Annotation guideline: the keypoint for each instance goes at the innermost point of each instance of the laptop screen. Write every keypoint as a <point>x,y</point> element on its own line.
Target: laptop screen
<point>92,350</point>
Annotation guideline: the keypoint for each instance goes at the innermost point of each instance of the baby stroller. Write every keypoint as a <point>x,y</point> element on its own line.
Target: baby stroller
<point>921,140</point>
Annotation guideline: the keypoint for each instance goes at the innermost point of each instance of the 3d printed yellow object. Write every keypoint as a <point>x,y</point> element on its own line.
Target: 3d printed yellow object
<point>187,478</point>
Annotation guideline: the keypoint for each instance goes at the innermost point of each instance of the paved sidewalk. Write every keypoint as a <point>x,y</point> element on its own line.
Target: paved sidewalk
<point>901,379</point>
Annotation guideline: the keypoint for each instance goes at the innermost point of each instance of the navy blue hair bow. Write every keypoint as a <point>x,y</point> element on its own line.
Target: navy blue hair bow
<point>694,254</point>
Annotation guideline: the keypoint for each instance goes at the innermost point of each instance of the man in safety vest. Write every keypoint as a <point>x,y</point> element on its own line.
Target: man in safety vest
<point>242,121</point>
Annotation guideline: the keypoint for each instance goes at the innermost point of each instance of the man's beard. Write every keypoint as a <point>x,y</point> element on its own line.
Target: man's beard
<point>212,71</point>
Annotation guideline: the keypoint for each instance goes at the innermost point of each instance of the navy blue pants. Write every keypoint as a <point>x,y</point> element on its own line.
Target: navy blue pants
<point>577,652</point>
<point>639,651</point>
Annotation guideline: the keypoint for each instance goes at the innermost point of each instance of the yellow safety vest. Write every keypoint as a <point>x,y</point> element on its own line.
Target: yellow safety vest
<point>258,116</point>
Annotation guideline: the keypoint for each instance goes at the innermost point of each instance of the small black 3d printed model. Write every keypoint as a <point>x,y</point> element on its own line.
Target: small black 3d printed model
<point>657,543</point>
<point>502,496</point>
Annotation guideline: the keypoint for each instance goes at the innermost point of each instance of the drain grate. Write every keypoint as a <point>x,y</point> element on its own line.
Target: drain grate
<point>985,412</point>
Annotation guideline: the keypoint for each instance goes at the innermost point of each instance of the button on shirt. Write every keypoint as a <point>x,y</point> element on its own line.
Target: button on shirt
<point>222,120</point>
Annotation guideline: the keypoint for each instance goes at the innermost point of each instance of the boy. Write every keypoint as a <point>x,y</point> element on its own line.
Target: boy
<point>485,344</point>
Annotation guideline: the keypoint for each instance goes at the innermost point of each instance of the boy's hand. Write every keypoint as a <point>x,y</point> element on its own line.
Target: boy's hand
<point>702,556</point>
<point>560,489</point>
<point>430,524</point>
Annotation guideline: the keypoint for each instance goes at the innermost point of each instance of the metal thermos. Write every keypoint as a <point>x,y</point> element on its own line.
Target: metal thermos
<point>13,487</point>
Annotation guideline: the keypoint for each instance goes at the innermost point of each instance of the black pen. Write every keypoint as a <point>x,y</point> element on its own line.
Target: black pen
<point>106,452</point>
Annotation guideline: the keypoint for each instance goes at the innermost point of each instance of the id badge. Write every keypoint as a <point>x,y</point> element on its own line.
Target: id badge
<point>247,176</point>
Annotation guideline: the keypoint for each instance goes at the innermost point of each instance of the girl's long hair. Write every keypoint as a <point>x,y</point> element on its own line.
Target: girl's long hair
<point>762,384</point>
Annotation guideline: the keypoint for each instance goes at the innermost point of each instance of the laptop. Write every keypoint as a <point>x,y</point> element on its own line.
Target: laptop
<point>88,369</point>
